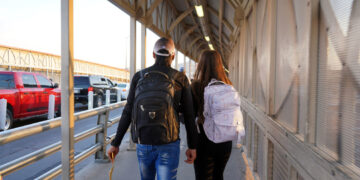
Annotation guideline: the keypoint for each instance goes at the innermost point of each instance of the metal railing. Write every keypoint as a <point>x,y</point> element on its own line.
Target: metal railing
<point>99,149</point>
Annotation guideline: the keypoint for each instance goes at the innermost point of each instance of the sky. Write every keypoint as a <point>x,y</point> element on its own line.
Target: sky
<point>101,30</point>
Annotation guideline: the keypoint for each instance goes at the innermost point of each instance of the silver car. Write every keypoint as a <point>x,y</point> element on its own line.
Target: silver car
<point>124,87</point>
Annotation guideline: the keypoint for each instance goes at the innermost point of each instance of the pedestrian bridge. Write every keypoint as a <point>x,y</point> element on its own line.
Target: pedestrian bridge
<point>295,63</point>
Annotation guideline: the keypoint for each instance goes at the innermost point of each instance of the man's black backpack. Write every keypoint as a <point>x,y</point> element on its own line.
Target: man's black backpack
<point>154,118</point>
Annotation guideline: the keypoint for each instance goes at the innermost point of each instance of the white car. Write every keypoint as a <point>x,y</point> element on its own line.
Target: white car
<point>124,87</point>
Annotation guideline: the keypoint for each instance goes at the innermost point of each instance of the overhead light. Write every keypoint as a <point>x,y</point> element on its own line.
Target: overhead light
<point>211,46</point>
<point>207,38</point>
<point>199,11</point>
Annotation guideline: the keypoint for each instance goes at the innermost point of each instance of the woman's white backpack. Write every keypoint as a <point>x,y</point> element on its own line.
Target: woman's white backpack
<point>223,117</point>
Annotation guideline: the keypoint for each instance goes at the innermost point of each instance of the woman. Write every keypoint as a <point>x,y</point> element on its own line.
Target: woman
<point>211,157</point>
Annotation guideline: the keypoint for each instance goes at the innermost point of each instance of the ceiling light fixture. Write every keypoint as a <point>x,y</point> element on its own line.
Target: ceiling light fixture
<point>199,11</point>
<point>211,46</point>
<point>207,38</point>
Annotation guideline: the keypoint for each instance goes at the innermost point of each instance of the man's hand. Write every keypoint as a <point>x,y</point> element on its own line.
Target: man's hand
<point>112,152</point>
<point>191,156</point>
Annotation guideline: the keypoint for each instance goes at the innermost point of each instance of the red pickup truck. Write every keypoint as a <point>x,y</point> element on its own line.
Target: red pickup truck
<point>27,95</point>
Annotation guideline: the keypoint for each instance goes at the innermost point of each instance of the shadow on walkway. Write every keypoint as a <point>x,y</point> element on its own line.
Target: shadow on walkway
<point>126,166</point>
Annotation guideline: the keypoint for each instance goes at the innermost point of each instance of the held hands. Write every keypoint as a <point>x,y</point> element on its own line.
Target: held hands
<point>112,152</point>
<point>191,156</point>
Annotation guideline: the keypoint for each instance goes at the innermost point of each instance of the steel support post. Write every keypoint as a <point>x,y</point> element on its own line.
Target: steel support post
<point>107,99</point>
<point>189,69</point>
<point>176,60</point>
<point>51,107</point>
<point>67,90</point>
<point>143,46</point>
<point>132,47</point>
<point>90,100</point>
<point>132,146</point>
<point>3,104</point>
<point>184,64</point>
<point>100,156</point>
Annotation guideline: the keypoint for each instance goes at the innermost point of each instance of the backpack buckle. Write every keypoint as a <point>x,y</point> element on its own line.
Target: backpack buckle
<point>152,115</point>
<point>142,107</point>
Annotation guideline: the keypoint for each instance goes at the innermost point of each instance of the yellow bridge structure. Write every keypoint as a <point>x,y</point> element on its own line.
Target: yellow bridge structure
<point>17,59</point>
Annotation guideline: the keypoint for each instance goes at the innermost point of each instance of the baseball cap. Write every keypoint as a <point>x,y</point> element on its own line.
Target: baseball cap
<point>164,44</point>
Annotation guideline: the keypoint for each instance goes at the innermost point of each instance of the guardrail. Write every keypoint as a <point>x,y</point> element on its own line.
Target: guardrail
<point>102,140</point>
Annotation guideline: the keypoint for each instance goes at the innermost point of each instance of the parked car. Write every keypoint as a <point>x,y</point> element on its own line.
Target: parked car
<point>124,87</point>
<point>98,85</point>
<point>27,95</point>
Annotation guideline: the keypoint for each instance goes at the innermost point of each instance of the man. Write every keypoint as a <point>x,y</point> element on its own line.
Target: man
<point>152,108</point>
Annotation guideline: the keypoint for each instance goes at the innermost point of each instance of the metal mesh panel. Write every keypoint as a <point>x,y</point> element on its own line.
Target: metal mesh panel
<point>263,38</point>
<point>299,177</point>
<point>294,174</point>
<point>293,36</point>
<point>254,152</point>
<point>242,58</point>
<point>245,142</point>
<point>260,154</point>
<point>270,160</point>
<point>249,57</point>
<point>328,96</point>
<point>338,115</point>
<point>280,164</point>
<point>249,135</point>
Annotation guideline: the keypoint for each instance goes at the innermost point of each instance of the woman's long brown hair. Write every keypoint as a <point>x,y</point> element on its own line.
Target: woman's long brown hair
<point>210,67</point>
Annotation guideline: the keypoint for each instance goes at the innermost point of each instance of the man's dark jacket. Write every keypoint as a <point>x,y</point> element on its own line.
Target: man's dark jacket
<point>182,97</point>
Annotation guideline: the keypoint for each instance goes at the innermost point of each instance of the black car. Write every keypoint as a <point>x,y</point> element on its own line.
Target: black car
<point>98,85</point>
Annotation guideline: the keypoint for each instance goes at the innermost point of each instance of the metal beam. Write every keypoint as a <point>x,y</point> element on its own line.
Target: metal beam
<point>142,3</point>
<point>171,4</point>
<point>67,90</point>
<point>184,36</point>
<point>179,19</point>
<point>218,41</point>
<point>232,4</point>
<point>216,28</point>
<point>175,13</point>
<point>216,38</point>
<point>194,41</point>
<point>153,6</point>
<point>192,16</point>
<point>201,45</point>
<point>141,7</point>
<point>124,5</point>
<point>226,22</point>
<point>146,19</point>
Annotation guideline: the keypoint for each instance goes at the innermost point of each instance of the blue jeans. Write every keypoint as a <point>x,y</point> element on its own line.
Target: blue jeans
<point>162,160</point>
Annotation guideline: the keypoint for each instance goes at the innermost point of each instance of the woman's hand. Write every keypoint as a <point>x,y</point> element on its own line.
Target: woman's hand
<point>191,156</point>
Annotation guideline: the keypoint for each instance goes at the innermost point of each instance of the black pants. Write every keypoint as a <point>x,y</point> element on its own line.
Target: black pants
<point>211,158</point>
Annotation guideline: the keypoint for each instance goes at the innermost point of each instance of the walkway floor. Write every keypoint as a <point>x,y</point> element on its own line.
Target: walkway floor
<point>126,166</point>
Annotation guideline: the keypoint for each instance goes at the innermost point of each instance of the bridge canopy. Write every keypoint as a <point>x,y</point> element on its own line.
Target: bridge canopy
<point>194,25</point>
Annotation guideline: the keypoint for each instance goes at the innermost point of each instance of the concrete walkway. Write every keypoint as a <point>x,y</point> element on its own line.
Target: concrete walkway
<point>126,166</point>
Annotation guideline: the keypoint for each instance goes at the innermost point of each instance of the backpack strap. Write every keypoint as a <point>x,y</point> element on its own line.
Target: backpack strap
<point>158,72</point>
